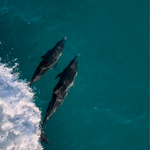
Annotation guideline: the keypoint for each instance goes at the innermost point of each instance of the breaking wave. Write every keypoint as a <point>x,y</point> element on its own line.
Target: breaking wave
<point>19,117</point>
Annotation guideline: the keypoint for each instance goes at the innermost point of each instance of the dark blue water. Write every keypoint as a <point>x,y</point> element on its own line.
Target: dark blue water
<point>108,108</point>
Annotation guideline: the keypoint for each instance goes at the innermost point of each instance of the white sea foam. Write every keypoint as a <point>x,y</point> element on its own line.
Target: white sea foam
<point>19,117</point>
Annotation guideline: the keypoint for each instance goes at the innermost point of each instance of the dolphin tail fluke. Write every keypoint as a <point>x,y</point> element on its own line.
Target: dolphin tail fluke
<point>43,138</point>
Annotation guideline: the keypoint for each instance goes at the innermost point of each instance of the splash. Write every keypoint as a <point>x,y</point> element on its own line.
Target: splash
<point>19,117</point>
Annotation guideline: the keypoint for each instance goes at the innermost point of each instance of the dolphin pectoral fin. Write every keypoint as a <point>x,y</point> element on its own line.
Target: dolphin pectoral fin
<point>43,138</point>
<point>58,75</point>
<point>55,65</point>
<point>43,56</point>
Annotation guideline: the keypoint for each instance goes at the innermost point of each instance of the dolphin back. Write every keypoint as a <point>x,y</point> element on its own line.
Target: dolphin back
<point>49,60</point>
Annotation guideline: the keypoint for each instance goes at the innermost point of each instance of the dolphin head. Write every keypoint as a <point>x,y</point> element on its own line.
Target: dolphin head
<point>74,63</point>
<point>75,59</point>
<point>61,43</point>
<point>64,39</point>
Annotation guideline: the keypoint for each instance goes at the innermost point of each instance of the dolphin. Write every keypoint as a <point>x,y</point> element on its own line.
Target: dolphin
<point>49,60</point>
<point>67,78</point>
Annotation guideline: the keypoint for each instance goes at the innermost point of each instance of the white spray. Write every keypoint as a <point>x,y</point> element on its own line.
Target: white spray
<point>19,117</point>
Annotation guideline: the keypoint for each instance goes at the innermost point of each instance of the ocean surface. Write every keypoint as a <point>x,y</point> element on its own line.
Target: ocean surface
<point>108,107</point>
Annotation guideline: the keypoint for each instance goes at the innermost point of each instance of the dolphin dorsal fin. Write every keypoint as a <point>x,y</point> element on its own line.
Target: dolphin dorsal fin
<point>43,56</point>
<point>58,75</point>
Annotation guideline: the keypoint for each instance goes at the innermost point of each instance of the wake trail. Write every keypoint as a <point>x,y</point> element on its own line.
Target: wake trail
<point>19,116</point>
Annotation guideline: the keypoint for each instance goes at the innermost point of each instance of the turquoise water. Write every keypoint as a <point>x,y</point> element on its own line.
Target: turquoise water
<point>108,107</point>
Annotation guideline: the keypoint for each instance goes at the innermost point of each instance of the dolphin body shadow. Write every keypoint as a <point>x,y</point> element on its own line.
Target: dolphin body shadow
<point>49,60</point>
<point>67,78</point>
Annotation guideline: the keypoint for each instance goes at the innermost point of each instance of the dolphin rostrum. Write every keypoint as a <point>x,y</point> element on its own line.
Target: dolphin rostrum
<point>67,78</point>
<point>49,60</point>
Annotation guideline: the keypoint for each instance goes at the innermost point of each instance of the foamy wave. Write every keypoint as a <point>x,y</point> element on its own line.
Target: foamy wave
<point>19,117</point>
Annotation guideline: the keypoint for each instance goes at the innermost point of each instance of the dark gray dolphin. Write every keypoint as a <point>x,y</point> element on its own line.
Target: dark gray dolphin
<point>67,78</point>
<point>50,60</point>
